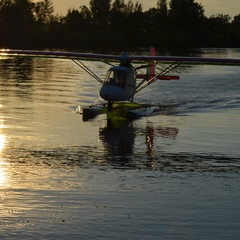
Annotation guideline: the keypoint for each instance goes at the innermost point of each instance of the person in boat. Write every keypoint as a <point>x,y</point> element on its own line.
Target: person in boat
<point>127,63</point>
<point>121,79</point>
<point>118,78</point>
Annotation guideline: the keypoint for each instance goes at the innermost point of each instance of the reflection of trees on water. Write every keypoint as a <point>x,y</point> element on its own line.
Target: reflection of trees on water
<point>23,69</point>
<point>20,75</point>
<point>16,80</point>
<point>17,68</point>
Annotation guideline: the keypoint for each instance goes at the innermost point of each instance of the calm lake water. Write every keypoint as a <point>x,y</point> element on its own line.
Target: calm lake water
<point>171,176</point>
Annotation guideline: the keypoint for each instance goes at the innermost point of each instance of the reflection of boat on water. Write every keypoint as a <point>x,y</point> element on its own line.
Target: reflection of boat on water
<point>120,141</point>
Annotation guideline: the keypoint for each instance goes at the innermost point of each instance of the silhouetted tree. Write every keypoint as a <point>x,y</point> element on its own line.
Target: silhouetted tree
<point>218,26</point>
<point>162,15</point>
<point>74,21</point>
<point>235,31</point>
<point>163,8</point>
<point>16,22</point>
<point>106,23</point>
<point>118,16</point>
<point>134,26</point>
<point>86,13</point>
<point>185,14</point>
<point>100,10</point>
<point>24,15</point>
<point>44,11</point>
<point>185,21</point>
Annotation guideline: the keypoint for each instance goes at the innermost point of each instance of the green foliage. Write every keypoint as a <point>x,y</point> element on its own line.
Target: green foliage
<point>116,23</point>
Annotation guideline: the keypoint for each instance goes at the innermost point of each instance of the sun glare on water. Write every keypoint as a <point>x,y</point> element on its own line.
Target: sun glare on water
<point>2,173</point>
<point>2,142</point>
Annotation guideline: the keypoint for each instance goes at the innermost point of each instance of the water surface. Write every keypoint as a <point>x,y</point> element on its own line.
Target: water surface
<point>170,176</point>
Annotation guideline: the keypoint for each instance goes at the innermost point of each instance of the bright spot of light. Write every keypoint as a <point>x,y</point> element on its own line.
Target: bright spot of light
<point>2,142</point>
<point>2,177</point>
<point>2,173</point>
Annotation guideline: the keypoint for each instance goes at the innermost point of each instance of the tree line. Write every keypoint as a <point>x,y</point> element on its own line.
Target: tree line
<point>114,23</point>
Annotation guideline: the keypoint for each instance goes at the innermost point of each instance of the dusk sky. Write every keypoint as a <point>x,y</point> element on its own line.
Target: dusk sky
<point>231,7</point>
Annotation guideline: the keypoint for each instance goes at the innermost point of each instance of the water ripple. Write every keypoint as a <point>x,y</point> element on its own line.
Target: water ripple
<point>88,157</point>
